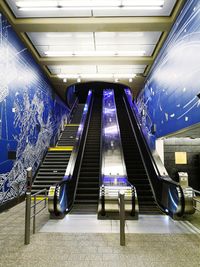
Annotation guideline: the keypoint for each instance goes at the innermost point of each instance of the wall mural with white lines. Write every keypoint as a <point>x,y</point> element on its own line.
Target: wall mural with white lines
<point>170,99</point>
<point>30,113</point>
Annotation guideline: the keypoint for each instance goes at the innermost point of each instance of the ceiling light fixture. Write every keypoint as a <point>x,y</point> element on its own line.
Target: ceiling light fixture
<point>90,4</point>
<point>69,34</point>
<point>94,53</point>
<point>58,35</point>
<point>97,76</point>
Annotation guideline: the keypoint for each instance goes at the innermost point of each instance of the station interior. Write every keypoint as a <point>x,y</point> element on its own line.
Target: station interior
<point>100,133</point>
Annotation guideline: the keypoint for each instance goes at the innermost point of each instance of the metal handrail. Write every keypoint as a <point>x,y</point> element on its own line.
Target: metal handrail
<point>160,177</point>
<point>38,192</point>
<point>69,177</point>
<point>29,207</point>
<point>122,217</point>
<point>35,213</point>
<point>72,109</point>
<point>196,200</point>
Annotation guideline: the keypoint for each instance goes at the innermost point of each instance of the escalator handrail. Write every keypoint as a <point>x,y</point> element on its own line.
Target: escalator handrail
<point>101,144</point>
<point>75,158</point>
<point>166,177</point>
<point>81,150</point>
<point>162,178</point>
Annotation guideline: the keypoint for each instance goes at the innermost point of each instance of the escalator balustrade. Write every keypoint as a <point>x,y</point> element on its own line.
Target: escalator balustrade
<point>134,165</point>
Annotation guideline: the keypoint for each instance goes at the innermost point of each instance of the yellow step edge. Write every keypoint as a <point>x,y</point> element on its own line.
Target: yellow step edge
<point>71,125</point>
<point>39,198</point>
<point>61,148</point>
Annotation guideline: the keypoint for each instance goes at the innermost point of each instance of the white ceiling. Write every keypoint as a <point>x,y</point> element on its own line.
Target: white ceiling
<point>93,69</point>
<point>97,41</point>
<point>119,12</point>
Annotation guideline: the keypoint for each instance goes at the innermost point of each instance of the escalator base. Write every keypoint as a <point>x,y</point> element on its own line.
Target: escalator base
<point>84,209</point>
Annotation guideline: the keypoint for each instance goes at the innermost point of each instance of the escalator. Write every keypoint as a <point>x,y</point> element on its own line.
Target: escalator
<point>87,193</point>
<point>135,169</point>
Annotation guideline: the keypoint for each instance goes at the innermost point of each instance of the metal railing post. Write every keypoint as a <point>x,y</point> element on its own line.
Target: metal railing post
<point>34,214</point>
<point>27,218</point>
<point>28,207</point>
<point>28,215</point>
<point>45,202</point>
<point>122,217</point>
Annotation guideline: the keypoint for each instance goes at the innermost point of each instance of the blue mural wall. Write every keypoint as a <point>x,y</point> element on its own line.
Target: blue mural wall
<point>30,113</point>
<point>169,99</point>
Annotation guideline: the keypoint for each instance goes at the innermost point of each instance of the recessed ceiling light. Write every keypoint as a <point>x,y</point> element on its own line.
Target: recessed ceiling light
<point>27,4</point>
<point>94,53</point>
<point>69,35</point>
<point>59,35</point>
<point>97,76</point>
<point>90,4</point>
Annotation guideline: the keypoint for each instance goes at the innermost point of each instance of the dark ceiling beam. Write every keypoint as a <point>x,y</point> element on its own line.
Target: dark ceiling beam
<point>92,24</point>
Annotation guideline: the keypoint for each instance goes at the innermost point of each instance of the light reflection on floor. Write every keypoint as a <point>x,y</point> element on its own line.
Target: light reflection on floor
<point>157,224</point>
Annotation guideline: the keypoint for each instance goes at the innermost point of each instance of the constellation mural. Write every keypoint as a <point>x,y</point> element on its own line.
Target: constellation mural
<point>30,113</point>
<point>169,99</point>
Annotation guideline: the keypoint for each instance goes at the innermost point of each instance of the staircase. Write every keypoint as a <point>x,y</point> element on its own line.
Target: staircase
<point>68,136</point>
<point>87,193</point>
<point>52,170</point>
<point>134,165</point>
<point>53,167</point>
<point>76,119</point>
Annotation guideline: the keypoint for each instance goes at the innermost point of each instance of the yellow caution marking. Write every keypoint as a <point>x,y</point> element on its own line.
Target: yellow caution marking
<point>39,198</point>
<point>61,148</point>
<point>71,125</point>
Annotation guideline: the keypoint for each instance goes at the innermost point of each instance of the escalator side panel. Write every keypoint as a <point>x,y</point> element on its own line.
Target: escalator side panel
<point>87,193</point>
<point>135,168</point>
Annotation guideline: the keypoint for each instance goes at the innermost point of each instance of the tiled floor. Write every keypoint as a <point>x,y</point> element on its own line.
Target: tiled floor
<point>178,248</point>
<point>146,224</point>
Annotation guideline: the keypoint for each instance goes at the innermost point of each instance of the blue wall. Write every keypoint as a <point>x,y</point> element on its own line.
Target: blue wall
<point>30,113</point>
<point>169,98</point>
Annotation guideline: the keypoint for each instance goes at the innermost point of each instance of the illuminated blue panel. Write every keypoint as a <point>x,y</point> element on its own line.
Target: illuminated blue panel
<point>169,99</point>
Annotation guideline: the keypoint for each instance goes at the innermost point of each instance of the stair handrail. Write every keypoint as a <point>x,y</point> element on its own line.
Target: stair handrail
<point>72,109</point>
<point>172,202</point>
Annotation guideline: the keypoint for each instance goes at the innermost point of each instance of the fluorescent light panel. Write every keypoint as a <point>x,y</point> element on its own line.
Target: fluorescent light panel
<point>42,9</point>
<point>97,34</point>
<point>94,53</point>
<point>90,4</point>
<point>69,35</point>
<point>96,76</point>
